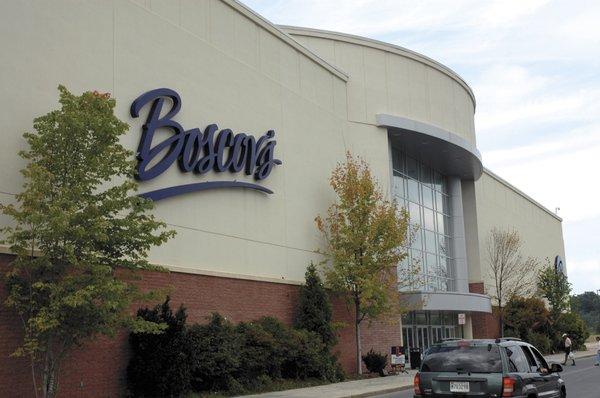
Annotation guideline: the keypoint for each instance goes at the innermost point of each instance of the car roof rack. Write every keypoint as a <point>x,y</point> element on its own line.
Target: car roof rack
<point>507,339</point>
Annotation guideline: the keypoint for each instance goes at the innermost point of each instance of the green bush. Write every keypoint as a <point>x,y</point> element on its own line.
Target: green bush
<point>215,358</point>
<point>523,316</point>
<point>260,353</point>
<point>314,308</point>
<point>571,324</point>
<point>160,363</point>
<point>540,341</point>
<point>375,362</point>
<point>219,356</point>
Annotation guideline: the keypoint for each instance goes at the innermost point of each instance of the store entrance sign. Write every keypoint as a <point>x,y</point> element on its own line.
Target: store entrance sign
<point>197,151</point>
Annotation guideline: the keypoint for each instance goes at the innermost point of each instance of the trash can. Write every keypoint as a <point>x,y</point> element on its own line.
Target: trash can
<point>415,358</point>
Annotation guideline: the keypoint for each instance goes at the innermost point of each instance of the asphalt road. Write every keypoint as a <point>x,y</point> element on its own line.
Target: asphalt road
<point>582,381</point>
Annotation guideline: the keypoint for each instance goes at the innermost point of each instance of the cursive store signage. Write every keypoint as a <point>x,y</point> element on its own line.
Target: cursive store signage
<point>197,151</point>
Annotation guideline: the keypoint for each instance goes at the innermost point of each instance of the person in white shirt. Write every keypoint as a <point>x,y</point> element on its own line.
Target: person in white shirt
<point>568,344</point>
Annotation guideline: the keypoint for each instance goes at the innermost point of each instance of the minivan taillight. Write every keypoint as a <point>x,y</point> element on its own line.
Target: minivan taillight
<point>508,386</point>
<point>417,383</point>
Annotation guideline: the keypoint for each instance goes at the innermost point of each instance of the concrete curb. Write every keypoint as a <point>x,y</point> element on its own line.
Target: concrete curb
<point>384,391</point>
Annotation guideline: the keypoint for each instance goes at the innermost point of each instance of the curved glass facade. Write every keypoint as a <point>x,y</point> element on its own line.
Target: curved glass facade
<point>423,191</point>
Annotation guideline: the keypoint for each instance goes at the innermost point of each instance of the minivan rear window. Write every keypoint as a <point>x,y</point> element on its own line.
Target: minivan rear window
<point>463,359</point>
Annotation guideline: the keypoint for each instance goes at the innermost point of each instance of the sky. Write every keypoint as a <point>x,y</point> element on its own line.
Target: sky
<point>534,67</point>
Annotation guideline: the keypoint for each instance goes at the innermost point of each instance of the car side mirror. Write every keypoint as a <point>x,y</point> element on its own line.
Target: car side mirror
<point>556,368</point>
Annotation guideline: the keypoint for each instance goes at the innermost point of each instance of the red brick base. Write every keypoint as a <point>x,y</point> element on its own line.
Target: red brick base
<point>98,369</point>
<point>485,326</point>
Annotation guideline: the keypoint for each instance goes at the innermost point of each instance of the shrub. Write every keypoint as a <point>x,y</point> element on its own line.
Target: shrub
<point>375,362</point>
<point>540,341</point>
<point>314,308</point>
<point>571,324</point>
<point>160,363</point>
<point>259,352</point>
<point>523,316</point>
<point>215,358</point>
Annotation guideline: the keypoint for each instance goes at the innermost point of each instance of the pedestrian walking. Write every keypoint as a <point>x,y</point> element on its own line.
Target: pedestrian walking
<point>568,353</point>
<point>597,351</point>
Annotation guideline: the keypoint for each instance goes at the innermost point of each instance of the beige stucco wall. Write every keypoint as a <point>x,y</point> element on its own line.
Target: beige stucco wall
<point>234,69</point>
<point>392,80</point>
<point>502,206</point>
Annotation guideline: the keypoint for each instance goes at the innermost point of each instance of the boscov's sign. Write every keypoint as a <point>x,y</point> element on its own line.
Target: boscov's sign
<point>197,151</point>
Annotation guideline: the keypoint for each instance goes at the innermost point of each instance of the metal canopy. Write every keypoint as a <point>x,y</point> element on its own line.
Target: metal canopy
<point>447,152</point>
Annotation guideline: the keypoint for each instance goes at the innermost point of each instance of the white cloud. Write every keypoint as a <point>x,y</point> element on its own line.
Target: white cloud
<point>584,275</point>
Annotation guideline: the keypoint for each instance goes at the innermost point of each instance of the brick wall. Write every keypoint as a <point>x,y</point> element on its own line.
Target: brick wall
<point>98,368</point>
<point>485,325</point>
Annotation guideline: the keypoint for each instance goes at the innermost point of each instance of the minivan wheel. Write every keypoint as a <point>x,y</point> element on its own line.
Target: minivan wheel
<point>563,393</point>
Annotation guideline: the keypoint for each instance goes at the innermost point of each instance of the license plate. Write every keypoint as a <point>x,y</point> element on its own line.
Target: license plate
<point>459,386</point>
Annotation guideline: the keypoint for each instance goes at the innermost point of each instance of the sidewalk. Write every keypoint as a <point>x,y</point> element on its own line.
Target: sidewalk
<point>590,351</point>
<point>355,388</point>
<point>381,385</point>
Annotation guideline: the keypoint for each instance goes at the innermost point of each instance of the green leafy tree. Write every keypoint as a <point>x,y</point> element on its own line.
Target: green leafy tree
<point>555,287</point>
<point>525,315</point>
<point>364,238</point>
<point>314,308</point>
<point>78,233</point>
<point>571,324</point>
<point>587,305</point>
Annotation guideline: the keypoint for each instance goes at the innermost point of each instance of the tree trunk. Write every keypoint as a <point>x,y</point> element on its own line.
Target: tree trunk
<point>358,344</point>
<point>50,376</point>
<point>501,315</point>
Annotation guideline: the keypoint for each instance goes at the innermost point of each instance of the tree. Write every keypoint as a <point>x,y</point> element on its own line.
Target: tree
<point>524,315</point>
<point>511,273</point>
<point>587,305</point>
<point>78,233</point>
<point>555,287</point>
<point>364,236</point>
<point>314,308</point>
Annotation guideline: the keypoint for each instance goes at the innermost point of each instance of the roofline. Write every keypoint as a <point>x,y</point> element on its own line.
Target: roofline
<point>380,45</point>
<point>523,194</point>
<point>276,31</point>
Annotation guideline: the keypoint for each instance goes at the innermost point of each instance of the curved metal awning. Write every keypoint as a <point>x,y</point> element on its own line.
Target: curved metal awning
<point>449,301</point>
<point>445,151</point>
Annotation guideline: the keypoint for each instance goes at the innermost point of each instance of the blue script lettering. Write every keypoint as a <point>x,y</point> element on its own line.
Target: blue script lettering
<point>196,151</point>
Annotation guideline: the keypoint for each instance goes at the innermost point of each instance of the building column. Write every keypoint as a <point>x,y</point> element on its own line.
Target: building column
<point>459,243</point>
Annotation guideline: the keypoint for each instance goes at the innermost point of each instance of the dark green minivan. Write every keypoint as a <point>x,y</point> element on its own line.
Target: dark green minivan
<point>506,367</point>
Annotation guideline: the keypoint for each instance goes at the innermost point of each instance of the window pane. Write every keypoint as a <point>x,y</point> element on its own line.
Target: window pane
<point>439,201</point>
<point>415,213</point>
<point>417,242</point>
<point>428,219</point>
<point>412,168</point>
<point>443,245</point>
<point>441,227</point>
<point>398,185</point>
<point>425,177</point>
<point>398,160</point>
<point>516,360</point>
<point>427,197</point>
<point>430,243</point>
<point>465,358</point>
<point>437,180</point>
<point>413,191</point>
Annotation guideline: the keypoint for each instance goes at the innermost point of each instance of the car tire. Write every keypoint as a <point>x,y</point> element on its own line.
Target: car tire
<point>563,393</point>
